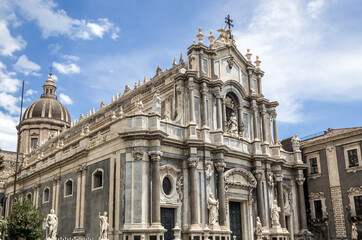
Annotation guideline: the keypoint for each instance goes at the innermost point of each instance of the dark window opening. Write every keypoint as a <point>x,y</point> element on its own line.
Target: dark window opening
<point>313,165</point>
<point>68,188</point>
<point>352,158</point>
<point>97,179</point>
<point>166,185</point>
<point>358,205</point>
<point>28,196</point>
<point>46,195</point>
<point>318,209</point>
<point>34,143</point>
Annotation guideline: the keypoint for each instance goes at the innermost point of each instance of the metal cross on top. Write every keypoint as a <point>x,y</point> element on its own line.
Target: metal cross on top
<point>228,21</point>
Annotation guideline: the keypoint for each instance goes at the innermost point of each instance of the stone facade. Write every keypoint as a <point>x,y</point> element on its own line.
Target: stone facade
<point>334,169</point>
<point>197,140</point>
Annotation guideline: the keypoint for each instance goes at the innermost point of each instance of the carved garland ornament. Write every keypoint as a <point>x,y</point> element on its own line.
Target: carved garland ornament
<point>137,155</point>
<point>208,169</point>
<point>355,190</point>
<point>316,196</point>
<point>240,177</point>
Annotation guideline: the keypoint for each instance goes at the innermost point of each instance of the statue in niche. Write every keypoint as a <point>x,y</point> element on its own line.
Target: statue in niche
<point>139,105</point>
<point>156,108</point>
<point>295,143</point>
<point>275,214</point>
<point>213,206</point>
<point>354,234</point>
<point>103,226</point>
<point>270,180</point>
<point>258,229</point>
<point>52,225</point>
<point>233,125</point>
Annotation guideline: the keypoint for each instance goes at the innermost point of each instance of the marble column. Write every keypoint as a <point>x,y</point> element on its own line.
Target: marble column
<point>55,194</point>
<point>77,206</point>
<point>204,106</point>
<point>259,195</point>
<point>302,212</point>
<point>255,117</point>
<point>275,131</point>
<point>225,122</point>
<point>218,112</point>
<point>241,124</point>
<point>194,203</point>
<point>279,180</point>
<point>191,86</point>
<point>221,192</point>
<point>82,198</point>
<point>156,210</point>
<point>263,125</point>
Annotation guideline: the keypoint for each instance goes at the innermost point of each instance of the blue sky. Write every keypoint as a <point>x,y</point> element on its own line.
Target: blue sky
<point>310,50</point>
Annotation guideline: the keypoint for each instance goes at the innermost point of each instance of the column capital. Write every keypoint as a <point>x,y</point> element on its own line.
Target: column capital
<point>191,86</point>
<point>240,107</point>
<point>155,155</point>
<point>300,181</point>
<point>279,177</point>
<point>220,166</point>
<point>204,91</point>
<point>258,174</point>
<point>56,179</point>
<point>218,95</point>
<point>193,161</point>
<point>36,186</point>
<point>137,155</point>
<point>273,115</point>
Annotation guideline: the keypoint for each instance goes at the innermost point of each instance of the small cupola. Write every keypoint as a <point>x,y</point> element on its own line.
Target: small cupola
<point>49,88</point>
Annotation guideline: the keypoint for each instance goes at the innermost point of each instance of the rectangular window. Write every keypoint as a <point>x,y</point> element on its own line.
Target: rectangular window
<point>246,125</point>
<point>163,109</point>
<point>217,69</point>
<point>318,209</point>
<point>207,113</point>
<point>214,114</point>
<point>244,80</point>
<point>358,205</point>
<point>352,158</point>
<point>197,110</point>
<point>253,85</point>
<point>204,66</point>
<point>313,165</point>
<point>34,143</point>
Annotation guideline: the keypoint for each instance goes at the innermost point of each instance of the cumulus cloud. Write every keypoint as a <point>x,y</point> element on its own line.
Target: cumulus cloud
<point>314,7</point>
<point>69,57</point>
<point>70,68</point>
<point>8,43</point>
<point>26,67</point>
<point>30,92</point>
<point>8,82</point>
<point>65,99</point>
<point>297,66</point>
<point>8,134</point>
<point>55,22</point>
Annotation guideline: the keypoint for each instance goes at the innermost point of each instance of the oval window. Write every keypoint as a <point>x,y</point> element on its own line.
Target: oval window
<point>166,185</point>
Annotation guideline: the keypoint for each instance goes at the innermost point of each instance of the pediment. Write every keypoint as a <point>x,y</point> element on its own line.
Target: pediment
<point>240,177</point>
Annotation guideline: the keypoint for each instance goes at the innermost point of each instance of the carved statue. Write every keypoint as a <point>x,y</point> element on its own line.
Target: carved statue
<point>213,206</point>
<point>270,180</point>
<point>121,113</point>
<point>233,125</point>
<point>52,225</point>
<point>103,226</point>
<point>275,214</point>
<point>354,234</point>
<point>295,143</point>
<point>156,103</point>
<point>258,228</point>
<point>139,105</point>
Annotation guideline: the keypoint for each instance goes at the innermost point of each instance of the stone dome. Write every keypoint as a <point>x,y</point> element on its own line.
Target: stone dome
<point>48,107</point>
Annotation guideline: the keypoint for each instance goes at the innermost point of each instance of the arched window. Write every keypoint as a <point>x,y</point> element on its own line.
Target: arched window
<point>68,188</point>
<point>28,196</point>
<point>97,179</point>
<point>46,195</point>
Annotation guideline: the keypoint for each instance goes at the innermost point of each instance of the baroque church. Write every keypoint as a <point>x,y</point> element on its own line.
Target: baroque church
<point>191,154</point>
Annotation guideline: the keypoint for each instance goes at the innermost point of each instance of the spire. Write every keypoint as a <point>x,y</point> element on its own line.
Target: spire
<point>49,88</point>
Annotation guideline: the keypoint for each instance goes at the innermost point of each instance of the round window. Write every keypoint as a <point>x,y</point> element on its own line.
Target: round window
<point>166,185</point>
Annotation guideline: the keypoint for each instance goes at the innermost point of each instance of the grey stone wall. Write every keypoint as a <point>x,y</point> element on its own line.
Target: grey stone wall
<point>122,190</point>
<point>97,200</point>
<point>67,207</point>
<point>46,207</point>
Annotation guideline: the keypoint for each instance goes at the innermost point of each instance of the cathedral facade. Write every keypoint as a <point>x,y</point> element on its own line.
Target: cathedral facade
<point>193,153</point>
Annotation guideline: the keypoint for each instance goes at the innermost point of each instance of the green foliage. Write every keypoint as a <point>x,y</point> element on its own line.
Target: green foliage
<point>24,221</point>
<point>3,224</point>
<point>2,166</point>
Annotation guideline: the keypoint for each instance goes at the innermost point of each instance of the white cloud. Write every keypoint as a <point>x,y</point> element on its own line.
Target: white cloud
<point>66,68</point>
<point>54,77</point>
<point>30,92</point>
<point>9,44</point>
<point>8,133</point>
<point>297,65</point>
<point>55,22</point>
<point>8,82</point>
<point>65,99</point>
<point>8,102</point>
<point>69,57</point>
<point>314,7</point>
<point>26,67</point>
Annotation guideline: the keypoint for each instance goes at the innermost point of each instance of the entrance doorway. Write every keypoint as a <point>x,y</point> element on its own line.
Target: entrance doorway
<point>168,222</point>
<point>235,220</point>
